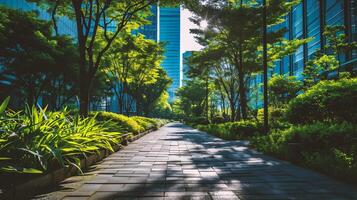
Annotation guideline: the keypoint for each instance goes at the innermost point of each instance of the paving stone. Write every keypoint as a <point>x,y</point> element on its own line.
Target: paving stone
<point>178,162</point>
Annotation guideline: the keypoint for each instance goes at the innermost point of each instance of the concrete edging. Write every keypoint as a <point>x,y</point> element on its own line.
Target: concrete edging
<point>38,184</point>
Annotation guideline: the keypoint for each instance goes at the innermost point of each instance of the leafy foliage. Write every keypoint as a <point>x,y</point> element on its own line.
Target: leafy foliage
<point>233,38</point>
<point>123,123</point>
<point>36,63</point>
<point>283,88</point>
<point>327,147</point>
<point>133,67</point>
<point>324,62</point>
<point>35,141</point>
<point>191,98</point>
<point>233,130</point>
<point>327,100</point>
<point>145,122</point>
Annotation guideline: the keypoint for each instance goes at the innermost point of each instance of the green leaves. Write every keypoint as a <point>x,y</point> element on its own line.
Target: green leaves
<point>283,88</point>
<point>36,141</point>
<point>4,104</point>
<point>327,100</point>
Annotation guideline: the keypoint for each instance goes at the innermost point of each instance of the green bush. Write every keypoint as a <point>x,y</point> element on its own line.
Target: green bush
<point>196,120</point>
<point>277,117</point>
<point>35,141</point>
<point>326,146</point>
<point>161,122</point>
<point>325,101</point>
<point>233,130</point>
<point>283,88</point>
<point>144,122</point>
<point>123,123</point>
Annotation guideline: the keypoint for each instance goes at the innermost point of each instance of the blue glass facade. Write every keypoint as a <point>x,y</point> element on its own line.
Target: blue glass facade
<point>165,27</point>
<point>169,33</point>
<point>307,20</point>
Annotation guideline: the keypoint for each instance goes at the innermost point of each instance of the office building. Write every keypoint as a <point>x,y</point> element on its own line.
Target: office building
<point>185,66</point>
<point>308,20</point>
<point>165,27</point>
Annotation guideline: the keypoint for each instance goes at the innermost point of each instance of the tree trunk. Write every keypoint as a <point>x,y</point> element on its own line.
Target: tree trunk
<point>242,91</point>
<point>83,72</point>
<point>207,116</point>
<point>120,99</point>
<point>233,110</point>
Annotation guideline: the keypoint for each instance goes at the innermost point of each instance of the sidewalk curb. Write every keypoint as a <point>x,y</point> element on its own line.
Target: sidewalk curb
<point>38,184</point>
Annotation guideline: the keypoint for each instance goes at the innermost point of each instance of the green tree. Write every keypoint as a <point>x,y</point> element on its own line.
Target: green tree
<point>98,21</point>
<point>144,70</point>
<point>235,27</point>
<point>35,62</point>
<point>223,74</point>
<point>191,98</point>
<point>327,61</point>
<point>133,67</point>
<point>154,95</point>
<point>283,88</point>
<point>118,61</point>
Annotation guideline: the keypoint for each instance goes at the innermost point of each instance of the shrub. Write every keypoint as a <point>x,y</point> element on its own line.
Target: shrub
<point>245,129</point>
<point>326,146</point>
<point>197,120</point>
<point>35,141</point>
<point>283,88</point>
<point>144,122</point>
<point>276,117</point>
<point>327,100</point>
<point>123,123</point>
<point>233,130</point>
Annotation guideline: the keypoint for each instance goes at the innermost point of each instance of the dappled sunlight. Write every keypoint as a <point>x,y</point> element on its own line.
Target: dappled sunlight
<point>178,162</point>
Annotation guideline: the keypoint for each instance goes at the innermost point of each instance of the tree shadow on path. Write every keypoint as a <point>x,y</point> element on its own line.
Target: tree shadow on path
<point>178,162</point>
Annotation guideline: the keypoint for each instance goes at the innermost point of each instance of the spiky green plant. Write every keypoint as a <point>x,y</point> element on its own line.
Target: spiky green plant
<point>35,141</point>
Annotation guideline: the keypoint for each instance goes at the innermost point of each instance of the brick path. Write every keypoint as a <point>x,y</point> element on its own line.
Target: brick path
<point>178,162</point>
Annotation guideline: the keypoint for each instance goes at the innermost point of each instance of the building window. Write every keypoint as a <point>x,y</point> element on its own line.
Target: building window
<point>297,33</point>
<point>313,26</point>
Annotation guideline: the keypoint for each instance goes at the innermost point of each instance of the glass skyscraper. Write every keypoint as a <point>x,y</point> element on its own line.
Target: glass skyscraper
<point>169,33</point>
<point>308,20</point>
<point>165,27</point>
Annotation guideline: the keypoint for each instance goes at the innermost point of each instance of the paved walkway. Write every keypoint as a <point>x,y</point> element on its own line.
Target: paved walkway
<point>178,162</point>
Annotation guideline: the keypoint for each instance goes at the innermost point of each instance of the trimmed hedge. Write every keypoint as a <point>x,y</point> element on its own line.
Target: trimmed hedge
<point>330,100</point>
<point>146,123</point>
<point>124,124</point>
<point>325,146</point>
<point>233,130</point>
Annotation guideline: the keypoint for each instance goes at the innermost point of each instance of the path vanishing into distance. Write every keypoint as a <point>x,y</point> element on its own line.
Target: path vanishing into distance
<point>178,162</point>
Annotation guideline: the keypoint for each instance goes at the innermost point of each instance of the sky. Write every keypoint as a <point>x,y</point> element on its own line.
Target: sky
<point>188,42</point>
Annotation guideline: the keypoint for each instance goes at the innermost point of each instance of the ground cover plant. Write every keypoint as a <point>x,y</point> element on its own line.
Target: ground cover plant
<point>123,123</point>
<point>328,147</point>
<point>317,129</point>
<point>233,130</point>
<point>38,141</point>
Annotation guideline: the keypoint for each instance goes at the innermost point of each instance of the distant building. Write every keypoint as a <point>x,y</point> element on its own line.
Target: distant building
<point>165,27</point>
<point>185,67</point>
<point>308,19</point>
